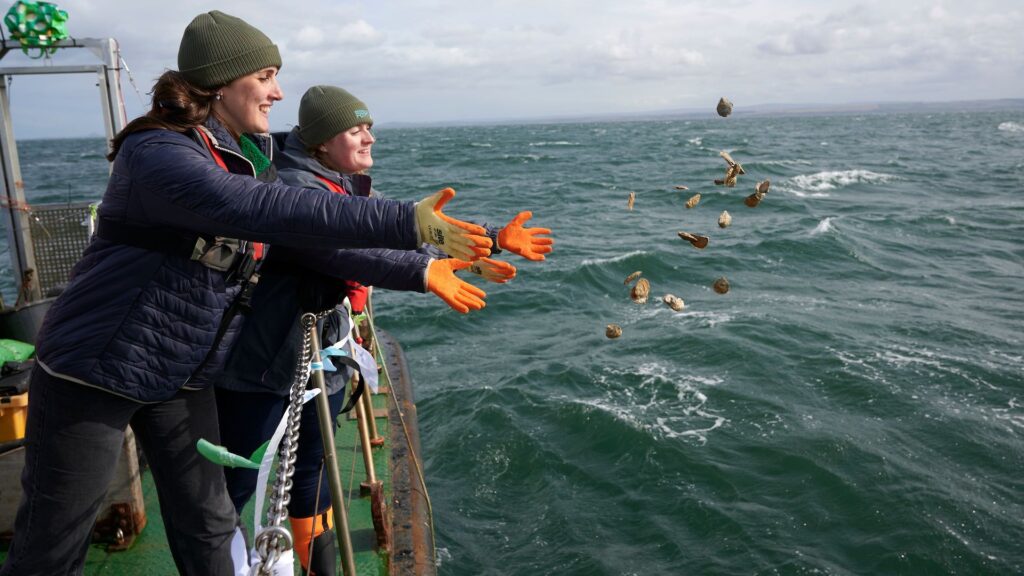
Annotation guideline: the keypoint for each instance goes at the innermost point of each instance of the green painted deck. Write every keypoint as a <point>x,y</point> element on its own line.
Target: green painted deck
<point>150,556</point>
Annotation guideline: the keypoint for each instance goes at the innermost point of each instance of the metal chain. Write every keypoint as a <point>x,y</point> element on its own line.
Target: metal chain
<point>274,539</point>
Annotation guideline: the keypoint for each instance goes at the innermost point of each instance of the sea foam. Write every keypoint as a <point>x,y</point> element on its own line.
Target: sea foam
<point>832,179</point>
<point>1011,127</point>
<point>618,258</point>
<point>824,226</point>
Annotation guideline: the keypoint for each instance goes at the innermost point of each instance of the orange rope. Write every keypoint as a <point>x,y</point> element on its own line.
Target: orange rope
<point>22,206</point>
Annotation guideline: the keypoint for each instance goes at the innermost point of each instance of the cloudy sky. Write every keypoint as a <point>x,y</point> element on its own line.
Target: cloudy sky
<point>443,60</point>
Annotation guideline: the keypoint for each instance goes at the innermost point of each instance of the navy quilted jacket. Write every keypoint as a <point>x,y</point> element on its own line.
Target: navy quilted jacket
<point>264,354</point>
<point>138,322</point>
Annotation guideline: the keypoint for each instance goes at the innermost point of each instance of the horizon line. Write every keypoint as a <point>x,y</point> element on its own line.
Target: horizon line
<point>754,110</point>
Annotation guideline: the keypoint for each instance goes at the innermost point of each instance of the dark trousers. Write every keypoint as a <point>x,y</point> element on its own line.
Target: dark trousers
<point>247,420</point>
<point>73,439</point>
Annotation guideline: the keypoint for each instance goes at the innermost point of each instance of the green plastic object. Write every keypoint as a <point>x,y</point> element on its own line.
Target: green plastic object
<point>15,350</point>
<point>38,25</point>
<point>220,455</point>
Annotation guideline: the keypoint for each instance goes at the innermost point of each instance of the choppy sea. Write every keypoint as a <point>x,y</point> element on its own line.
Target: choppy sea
<point>853,405</point>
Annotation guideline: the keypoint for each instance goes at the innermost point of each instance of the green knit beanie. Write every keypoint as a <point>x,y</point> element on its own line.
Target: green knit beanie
<point>217,48</point>
<point>328,110</point>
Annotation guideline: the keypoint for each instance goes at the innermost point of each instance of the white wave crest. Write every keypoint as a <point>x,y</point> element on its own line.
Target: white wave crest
<point>781,162</point>
<point>696,141</point>
<point>703,318</point>
<point>619,258</point>
<point>801,194</point>
<point>481,144</point>
<point>832,179</point>
<point>822,227</point>
<point>524,158</point>
<point>556,143</point>
<point>1011,127</point>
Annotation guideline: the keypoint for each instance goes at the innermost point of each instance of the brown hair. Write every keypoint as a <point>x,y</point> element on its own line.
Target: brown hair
<point>178,105</point>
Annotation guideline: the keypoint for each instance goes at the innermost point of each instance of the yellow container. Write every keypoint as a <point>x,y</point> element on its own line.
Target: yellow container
<point>13,414</point>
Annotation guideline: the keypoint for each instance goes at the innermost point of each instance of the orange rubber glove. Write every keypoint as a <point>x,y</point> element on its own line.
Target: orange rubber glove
<point>456,238</point>
<point>526,242</point>
<point>442,281</point>
<point>493,270</point>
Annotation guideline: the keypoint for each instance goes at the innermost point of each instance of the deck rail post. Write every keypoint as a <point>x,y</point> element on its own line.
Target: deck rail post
<point>326,419</point>
<point>376,440</point>
<point>366,336</point>
<point>364,441</point>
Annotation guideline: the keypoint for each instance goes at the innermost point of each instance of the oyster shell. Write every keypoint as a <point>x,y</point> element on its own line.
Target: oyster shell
<point>730,176</point>
<point>724,108</point>
<point>632,277</point>
<point>735,169</point>
<point>721,285</point>
<point>681,187</point>
<point>697,241</point>
<point>613,330</point>
<point>641,291</point>
<point>724,219</point>
<point>693,201</point>
<point>728,158</point>
<point>759,191</point>
<point>632,198</point>
<point>674,302</point>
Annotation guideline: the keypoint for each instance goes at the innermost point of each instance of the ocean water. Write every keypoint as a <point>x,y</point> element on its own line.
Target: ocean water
<point>853,405</point>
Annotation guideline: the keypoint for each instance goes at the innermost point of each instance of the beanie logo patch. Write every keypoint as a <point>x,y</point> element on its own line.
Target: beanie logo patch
<point>361,113</point>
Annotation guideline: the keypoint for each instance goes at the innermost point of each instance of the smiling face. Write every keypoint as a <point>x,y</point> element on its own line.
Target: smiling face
<point>348,152</point>
<point>244,105</point>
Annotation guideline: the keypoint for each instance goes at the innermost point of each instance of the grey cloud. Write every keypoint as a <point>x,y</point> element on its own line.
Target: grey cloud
<point>800,42</point>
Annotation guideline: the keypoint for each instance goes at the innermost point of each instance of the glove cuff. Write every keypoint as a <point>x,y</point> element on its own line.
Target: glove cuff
<point>493,234</point>
<point>426,275</point>
<point>416,224</point>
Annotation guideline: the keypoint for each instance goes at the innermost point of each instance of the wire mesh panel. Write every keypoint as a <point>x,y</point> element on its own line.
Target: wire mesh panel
<point>60,232</point>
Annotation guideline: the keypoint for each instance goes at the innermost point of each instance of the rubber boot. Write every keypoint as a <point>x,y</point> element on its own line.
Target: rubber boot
<point>315,534</point>
<point>324,559</point>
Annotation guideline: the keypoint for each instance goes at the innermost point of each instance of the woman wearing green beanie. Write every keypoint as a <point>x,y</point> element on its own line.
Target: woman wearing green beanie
<point>330,149</point>
<point>151,308</point>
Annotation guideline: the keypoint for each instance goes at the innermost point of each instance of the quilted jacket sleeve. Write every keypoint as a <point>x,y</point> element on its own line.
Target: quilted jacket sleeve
<point>171,183</point>
<point>392,269</point>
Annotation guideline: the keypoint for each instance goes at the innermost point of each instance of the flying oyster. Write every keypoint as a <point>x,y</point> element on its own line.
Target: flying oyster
<point>693,201</point>
<point>721,285</point>
<point>631,277</point>
<point>697,241</point>
<point>674,302</point>
<point>641,291</point>
<point>728,160</point>
<point>632,198</point>
<point>613,331</point>
<point>724,219</point>
<point>724,108</point>
<point>759,192</point>
<point>735,169</point>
